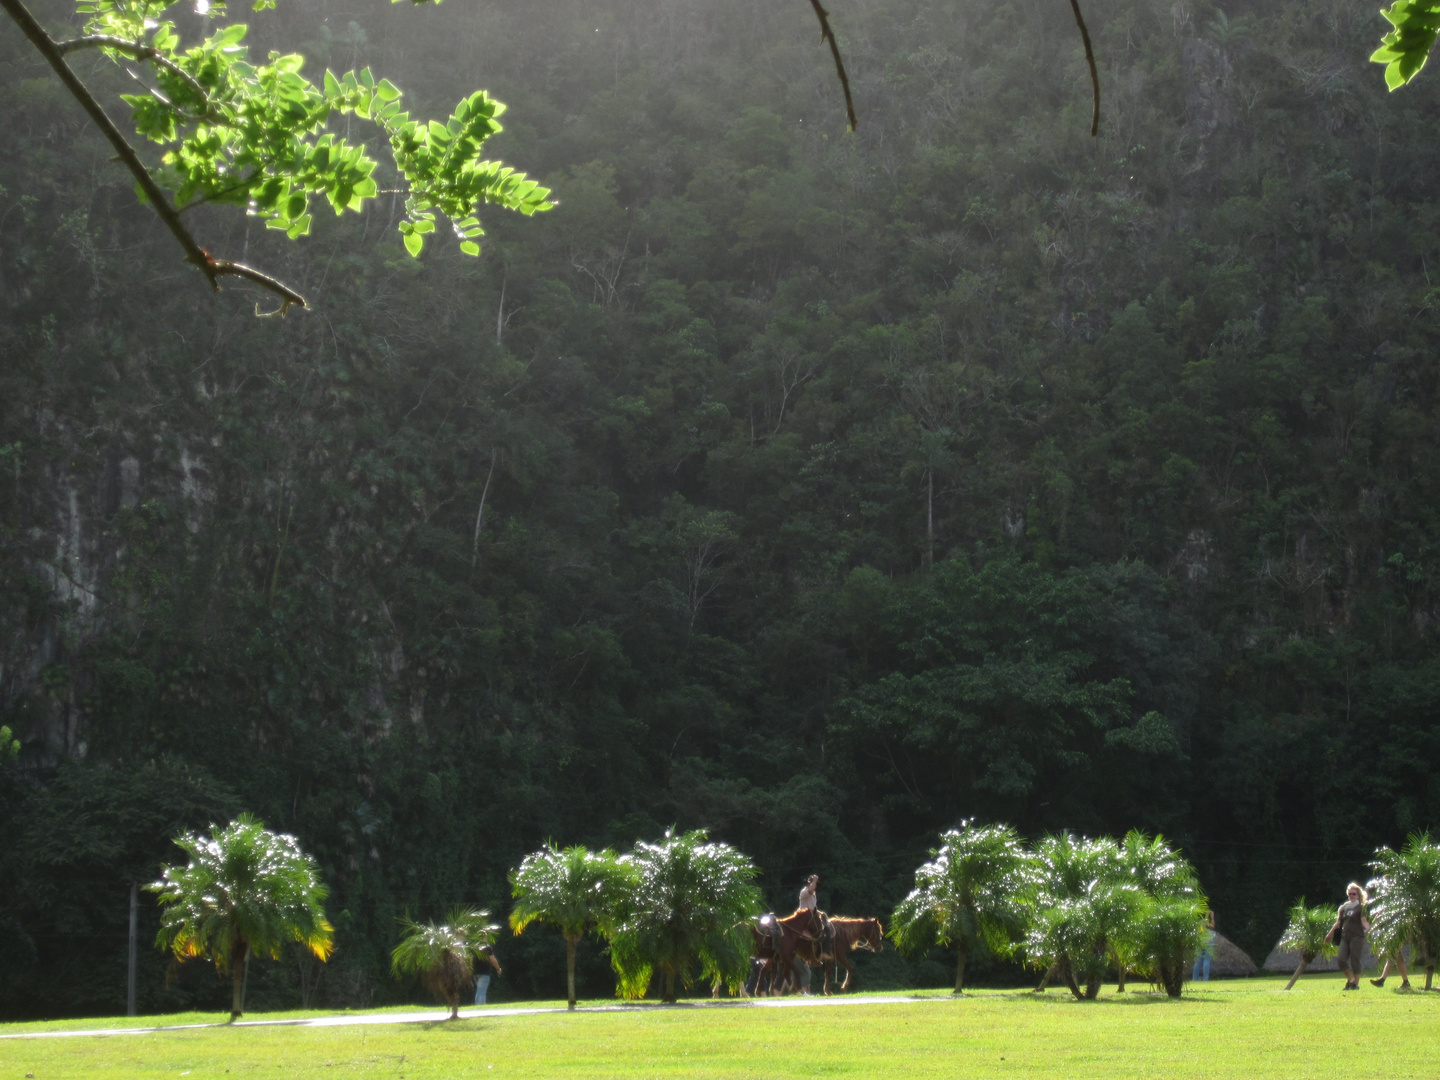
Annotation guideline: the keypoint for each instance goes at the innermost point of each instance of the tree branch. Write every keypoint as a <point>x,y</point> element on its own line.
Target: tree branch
<point>1094,74</point>
<point>826,34</point>
<point>135,50</point>
<point>197,256</point>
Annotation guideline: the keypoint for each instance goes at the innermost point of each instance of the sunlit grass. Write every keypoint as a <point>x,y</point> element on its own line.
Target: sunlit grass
<point>1241,1028</point>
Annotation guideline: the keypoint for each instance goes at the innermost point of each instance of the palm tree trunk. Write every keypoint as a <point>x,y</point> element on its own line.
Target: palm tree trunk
<point>669,994</point>
<point>1120,971</point>
<point>1069,973</point>
<point>570,942</point>
<point>959,970</point>
<point>1429,974</point>
<point>1174,978</point>
<point>1050,973</point>
<point>1304,960</point>
<point>238,955</point>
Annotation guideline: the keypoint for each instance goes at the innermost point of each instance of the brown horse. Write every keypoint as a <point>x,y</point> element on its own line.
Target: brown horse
<point>778,959</point>
<point>850,934</point>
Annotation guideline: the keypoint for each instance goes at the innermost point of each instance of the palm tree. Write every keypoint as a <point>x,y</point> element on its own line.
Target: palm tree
<point>1165,933</point>
<point>1085,903</point>
<point>1407,900</point>
<point>1308,933</point>
<point>976,893</point>
<point>1160,939</point>
<point>246,890</point>
<point>444,954</point>
<point>571,890</point>
<point>687,904</point>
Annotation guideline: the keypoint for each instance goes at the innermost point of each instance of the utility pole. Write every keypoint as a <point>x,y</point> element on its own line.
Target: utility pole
<point>134,933</point>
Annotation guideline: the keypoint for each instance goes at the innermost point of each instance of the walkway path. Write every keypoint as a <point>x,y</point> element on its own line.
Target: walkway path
<point>350,1019</point>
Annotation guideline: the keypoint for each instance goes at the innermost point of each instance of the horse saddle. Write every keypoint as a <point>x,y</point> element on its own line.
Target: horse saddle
<point>770,928</point>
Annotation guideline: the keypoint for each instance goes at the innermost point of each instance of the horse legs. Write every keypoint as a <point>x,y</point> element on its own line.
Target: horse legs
<point>849,972</point>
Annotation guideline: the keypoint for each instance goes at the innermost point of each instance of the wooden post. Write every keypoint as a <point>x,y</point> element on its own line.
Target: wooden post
<point>134,934</point>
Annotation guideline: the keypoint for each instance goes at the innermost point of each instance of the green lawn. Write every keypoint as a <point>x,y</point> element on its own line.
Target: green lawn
<point>1231,1029</point>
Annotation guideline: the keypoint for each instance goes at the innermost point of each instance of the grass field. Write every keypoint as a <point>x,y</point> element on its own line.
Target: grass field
<point>1233,1029</point>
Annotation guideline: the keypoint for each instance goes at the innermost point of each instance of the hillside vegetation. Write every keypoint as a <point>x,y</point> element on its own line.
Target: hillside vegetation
<point>815,489</point>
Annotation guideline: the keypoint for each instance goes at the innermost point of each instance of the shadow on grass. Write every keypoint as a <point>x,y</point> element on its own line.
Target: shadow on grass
<point>1131,998</point>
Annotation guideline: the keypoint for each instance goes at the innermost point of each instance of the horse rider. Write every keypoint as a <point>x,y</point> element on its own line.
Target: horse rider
<point>809,902</point>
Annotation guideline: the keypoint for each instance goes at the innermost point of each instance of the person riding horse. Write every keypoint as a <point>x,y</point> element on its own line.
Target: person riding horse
<point>823,948</point>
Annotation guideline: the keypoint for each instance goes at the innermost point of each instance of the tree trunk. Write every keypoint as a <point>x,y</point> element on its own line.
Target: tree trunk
<point>1174,979</point>
<point>1074,986</point>
<point>1092,988</point>
<point>1120,972</point>
<point>959,971</point>
<point>570,941</point>
<point>1429,973</point>
<point>930,517</point>
<point>669,994</point>
<point>1050,974</point>
<point>1304,961</point>
<point>238,955</point>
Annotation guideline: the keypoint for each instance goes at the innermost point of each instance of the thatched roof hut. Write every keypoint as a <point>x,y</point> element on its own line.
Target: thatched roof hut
<point>1230,960</point>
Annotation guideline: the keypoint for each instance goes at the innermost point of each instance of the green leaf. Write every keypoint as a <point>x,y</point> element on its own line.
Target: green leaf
<point>413,244</point>
<point>470,247</point>
<point>1405,49</point>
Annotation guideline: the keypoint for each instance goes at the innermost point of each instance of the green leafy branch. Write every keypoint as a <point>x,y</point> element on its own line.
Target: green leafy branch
<point>255,135</point>
<point>1407,46</point>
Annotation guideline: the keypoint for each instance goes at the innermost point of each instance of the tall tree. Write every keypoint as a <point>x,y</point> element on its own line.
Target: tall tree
<point>245,890</point>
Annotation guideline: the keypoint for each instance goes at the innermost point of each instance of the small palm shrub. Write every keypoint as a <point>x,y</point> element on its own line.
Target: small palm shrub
<point>1307,933</point>
<point>443,955</point>
<point>1406,904</point>
<point>977,893</point>
<point>1166,933</point>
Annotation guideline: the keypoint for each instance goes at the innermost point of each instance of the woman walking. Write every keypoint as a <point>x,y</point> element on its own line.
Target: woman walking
<point>1351,926</point>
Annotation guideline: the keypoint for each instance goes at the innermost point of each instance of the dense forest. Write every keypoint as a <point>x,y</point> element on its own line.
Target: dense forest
<point>817,489</point>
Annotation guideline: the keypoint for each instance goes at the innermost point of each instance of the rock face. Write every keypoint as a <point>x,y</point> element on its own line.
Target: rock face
<point>1287,962</point>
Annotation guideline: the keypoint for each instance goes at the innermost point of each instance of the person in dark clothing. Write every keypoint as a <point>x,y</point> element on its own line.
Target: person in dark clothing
<point>1351,926</point>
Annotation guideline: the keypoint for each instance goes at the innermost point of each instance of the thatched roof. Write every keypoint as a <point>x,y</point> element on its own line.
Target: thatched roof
<point>1230,959</point>
<point>1287,962</point>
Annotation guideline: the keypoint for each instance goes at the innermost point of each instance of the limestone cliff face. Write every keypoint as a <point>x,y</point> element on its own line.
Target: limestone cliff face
<point>71,488</point>
<point>1207,71</point>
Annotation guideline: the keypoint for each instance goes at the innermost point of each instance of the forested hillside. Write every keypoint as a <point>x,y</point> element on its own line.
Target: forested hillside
<point>816,489</point>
